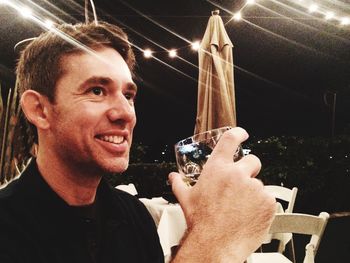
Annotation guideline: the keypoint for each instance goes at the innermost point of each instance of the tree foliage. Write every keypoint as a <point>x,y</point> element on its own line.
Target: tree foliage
<point>318,166</point>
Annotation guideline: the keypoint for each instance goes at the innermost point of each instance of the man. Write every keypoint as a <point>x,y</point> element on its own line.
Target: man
<point>80,101</point>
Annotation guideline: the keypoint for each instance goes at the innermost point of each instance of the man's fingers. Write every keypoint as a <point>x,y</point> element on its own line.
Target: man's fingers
<point>179,187</point>
<point>228,144</point>
<point>250,164</point>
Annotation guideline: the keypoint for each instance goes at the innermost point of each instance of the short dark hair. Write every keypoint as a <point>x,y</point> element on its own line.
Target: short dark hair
<point>39,65</point>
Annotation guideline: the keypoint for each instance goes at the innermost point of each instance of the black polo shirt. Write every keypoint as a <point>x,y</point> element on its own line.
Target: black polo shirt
<point>37,226</point>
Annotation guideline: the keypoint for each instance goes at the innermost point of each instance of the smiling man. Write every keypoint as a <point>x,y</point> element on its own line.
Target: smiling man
<point>87,131</point>
<point>81,107</point>
<point>80,104</point>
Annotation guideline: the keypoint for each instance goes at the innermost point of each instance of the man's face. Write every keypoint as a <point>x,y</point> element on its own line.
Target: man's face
<point>93,115</point>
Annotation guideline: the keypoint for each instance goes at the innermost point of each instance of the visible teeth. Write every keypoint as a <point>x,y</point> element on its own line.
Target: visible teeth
<point>112,139</point>
<point>115,139</point>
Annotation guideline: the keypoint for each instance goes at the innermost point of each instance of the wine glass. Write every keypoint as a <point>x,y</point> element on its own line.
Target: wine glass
<point>193,152</point>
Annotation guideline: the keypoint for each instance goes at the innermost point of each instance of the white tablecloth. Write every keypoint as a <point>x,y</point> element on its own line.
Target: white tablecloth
<point>170,222</point>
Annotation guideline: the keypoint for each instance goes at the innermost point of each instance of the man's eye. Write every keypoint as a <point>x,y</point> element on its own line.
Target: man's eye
<point>97,91</point>
<point>130,96</point>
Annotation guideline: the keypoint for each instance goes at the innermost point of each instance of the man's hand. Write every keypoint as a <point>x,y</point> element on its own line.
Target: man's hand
<point>228,213</point>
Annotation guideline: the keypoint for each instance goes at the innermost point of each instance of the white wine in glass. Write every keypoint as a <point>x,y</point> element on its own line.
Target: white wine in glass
<point>193,152</point>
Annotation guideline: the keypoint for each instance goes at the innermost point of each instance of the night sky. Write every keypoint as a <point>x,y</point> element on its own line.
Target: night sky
<point>282,77</point>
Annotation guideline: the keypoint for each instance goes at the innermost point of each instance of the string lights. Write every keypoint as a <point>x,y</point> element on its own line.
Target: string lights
<point>172,53</point>
<point>313,8</point>
<point>26,12</point>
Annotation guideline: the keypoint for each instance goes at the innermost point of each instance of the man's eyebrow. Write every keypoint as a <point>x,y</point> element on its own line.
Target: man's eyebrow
<point>131,86</point>
<point>98,80</point>
<point>95,80</point>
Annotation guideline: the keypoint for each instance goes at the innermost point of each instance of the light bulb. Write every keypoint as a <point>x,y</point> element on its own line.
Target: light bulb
<point>237,16</point>
<point>313,8</point>
<point>172,53</point>
<point>329,15</point>
<point>48,23</point>
<point>345,21</point>
<point>195,45</point>
<point>26,12</point>
<point>147,53</point>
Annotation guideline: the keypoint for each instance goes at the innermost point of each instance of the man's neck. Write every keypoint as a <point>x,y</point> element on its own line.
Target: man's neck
<point>75,187</point>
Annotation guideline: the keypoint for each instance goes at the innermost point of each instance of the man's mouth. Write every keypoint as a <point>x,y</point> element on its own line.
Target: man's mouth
<point>111,138</point>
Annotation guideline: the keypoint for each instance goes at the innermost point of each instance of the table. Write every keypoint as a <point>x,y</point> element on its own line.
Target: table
<point>170,222</point>
<point>169,219</point>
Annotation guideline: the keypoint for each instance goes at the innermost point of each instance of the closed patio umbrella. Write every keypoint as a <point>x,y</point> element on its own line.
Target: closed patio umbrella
<point>1,106</point>
<point>216,97</point>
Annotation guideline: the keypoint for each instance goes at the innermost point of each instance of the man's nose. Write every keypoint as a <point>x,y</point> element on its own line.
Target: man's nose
<point>121,111</point>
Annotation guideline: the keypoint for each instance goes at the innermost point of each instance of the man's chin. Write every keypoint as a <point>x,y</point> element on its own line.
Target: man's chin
<point>116,166</point>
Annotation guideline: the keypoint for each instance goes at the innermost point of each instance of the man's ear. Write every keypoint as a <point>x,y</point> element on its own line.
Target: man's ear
<point>35,107</point>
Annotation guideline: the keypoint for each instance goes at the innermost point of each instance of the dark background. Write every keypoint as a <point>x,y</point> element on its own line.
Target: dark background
<point>288,71</point>
<point>281,78</point>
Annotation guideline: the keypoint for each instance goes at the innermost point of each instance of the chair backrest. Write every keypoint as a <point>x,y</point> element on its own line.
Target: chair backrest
<point>302,224</point>
<point>285,194</point>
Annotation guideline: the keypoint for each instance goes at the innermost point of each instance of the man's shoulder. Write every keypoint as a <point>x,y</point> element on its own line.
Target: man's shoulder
<point>17,188</point>
<point>6,189</point>
<point>128,205</point>
<point>8,192</point>
<point>126,198</point>
<point>14,196</point>
<point>11,207</point>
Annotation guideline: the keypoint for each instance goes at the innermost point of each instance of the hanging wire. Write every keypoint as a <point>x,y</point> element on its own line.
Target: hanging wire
<point>23,42</point>
<point>93,11</point>
<point>86,9</point>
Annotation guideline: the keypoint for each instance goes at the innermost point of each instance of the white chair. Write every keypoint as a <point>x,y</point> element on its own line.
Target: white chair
<point>299,224</point>
<point>129,188</point>
<point>285,194</point>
